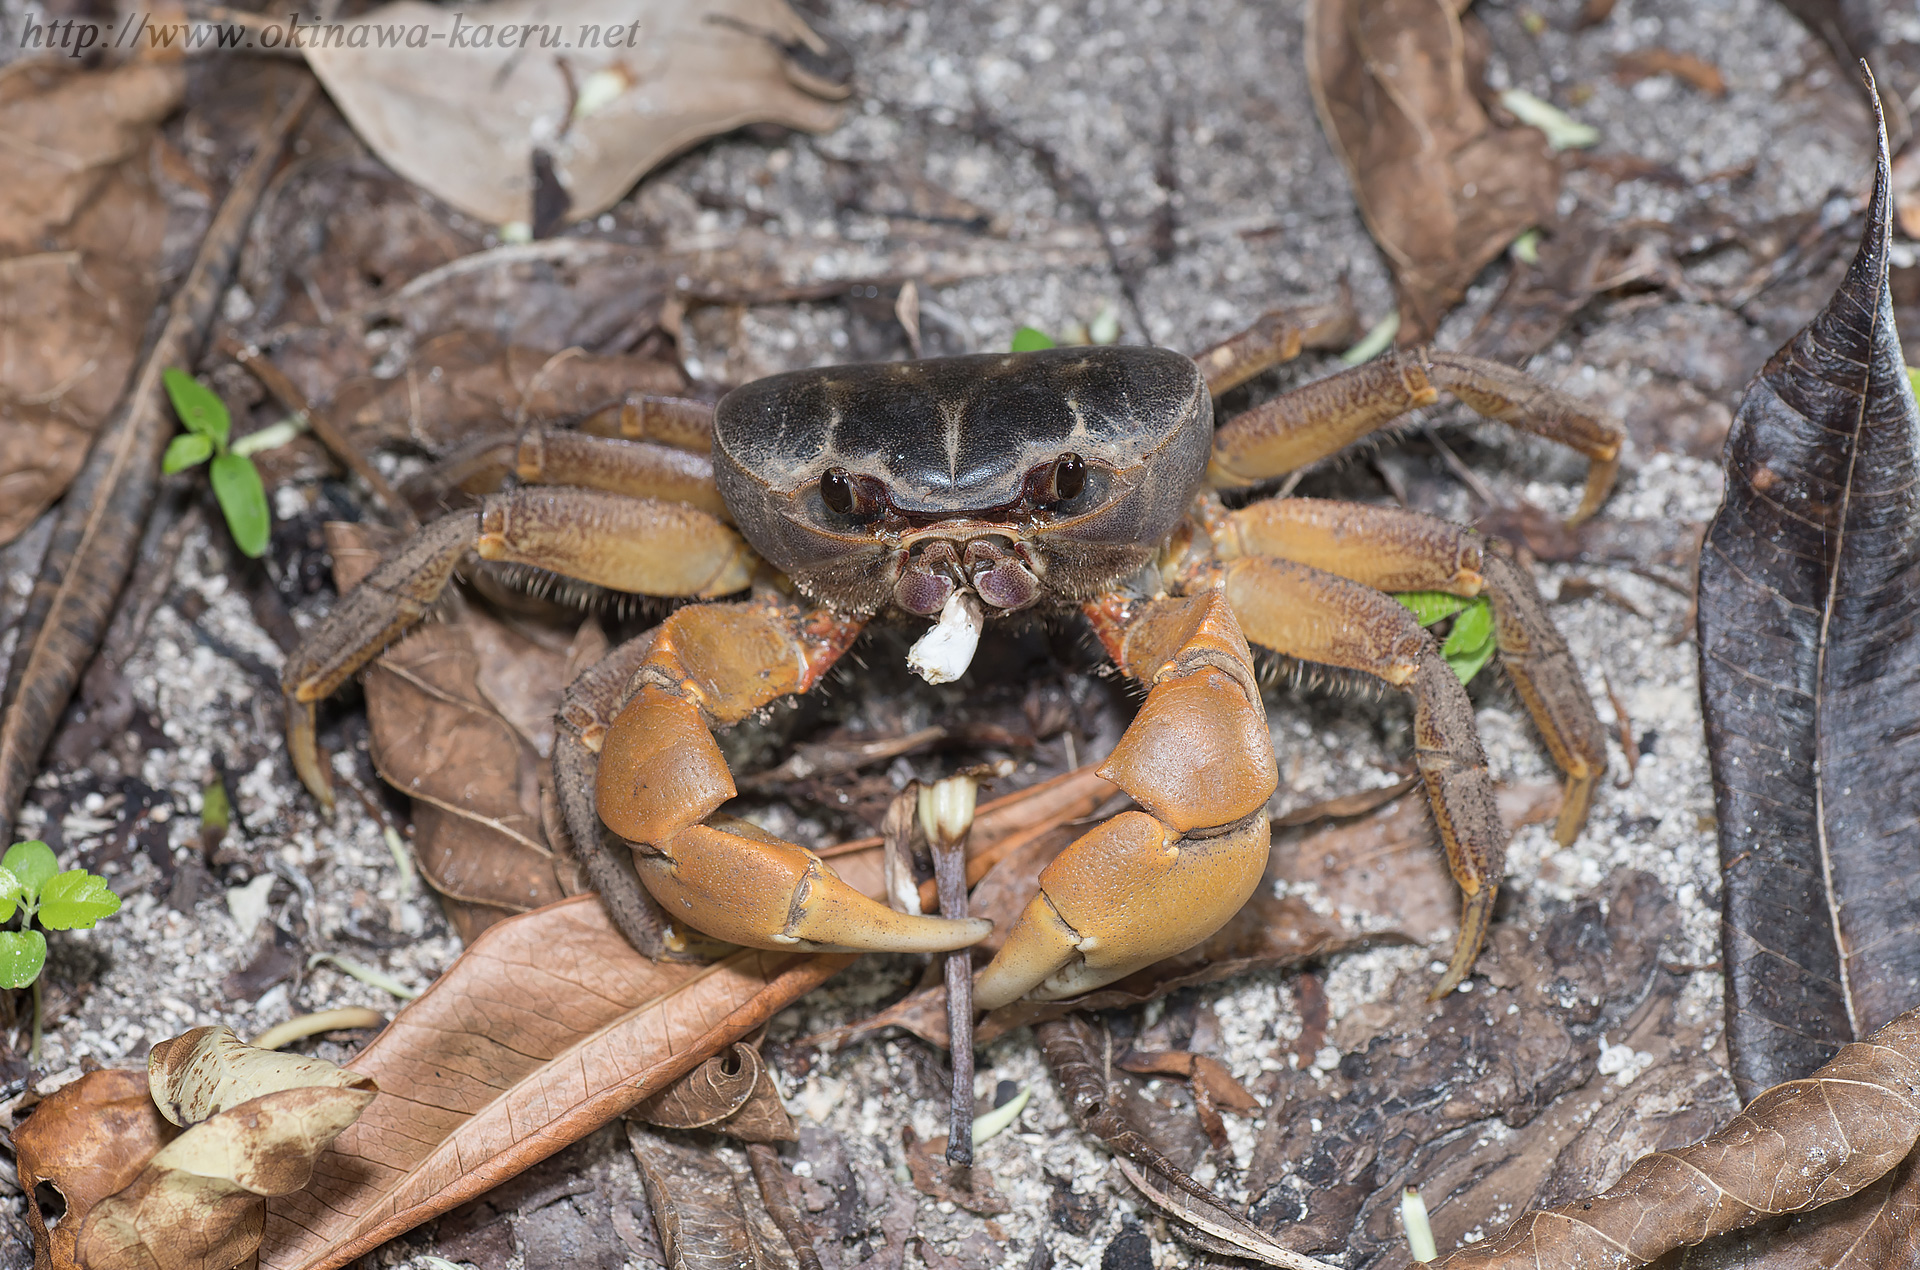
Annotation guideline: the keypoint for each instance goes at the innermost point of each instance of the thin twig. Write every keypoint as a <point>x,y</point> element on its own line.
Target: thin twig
<point>98,528</point>
<point>295,402</point>
<point>946,817</point>
<point>772,1178</point>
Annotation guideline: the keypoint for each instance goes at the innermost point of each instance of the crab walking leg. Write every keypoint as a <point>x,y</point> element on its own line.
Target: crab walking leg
<point>638,469</point>
<point>1198,759</point>
<point>1275,336</point>
<point>1390,549</point>
<point>679,422</point>
<point>1315,616</point>
<point>586,711</point>
<point>1321,418</point>
<point>662,778</point>
<point>639,545</point>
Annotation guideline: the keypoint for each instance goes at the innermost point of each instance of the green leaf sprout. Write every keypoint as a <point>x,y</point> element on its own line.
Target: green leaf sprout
<point>31,881</point>
<point>1470,644</point>
<point>236,481</point>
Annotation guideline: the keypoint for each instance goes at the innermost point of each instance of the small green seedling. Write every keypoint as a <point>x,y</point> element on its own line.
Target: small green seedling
<point>32,882</point>
<point>236,481</point>
<point>1029,340</point>
<point>1470,643</point>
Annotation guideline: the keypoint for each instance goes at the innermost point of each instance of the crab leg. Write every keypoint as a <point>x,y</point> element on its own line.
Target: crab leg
<point>1315,616</point>
<point>1390,549</point>
<point>638,469</point>
<point>586,711</point>
<point>679,422</point>
<point>662,778</point>
<point>1275,336</point>
<point>1321,418</point>
<point>639,545</point>
<point>1199,760</point>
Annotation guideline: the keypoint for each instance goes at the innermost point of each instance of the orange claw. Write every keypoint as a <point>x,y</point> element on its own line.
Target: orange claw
<point>734,881</point>
<point>662,779</point>
<point>1198,758</point>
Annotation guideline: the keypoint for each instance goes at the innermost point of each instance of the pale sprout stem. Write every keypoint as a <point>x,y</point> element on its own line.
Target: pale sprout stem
<point>1413,1212</point>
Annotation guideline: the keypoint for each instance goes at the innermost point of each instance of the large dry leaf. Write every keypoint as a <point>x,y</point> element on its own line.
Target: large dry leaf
<point>477,102</point>
<point>90,1139</point>
<point>548,1026</point>
<point>1810,683</point>
<point>1442,189</point>
<point>82,224</point>
<point>1797,1146</point>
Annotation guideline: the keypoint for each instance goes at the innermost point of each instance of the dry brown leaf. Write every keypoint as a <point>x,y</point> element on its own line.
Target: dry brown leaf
<point>970,1188</point>
<point>480,103</point>
<point>1797,1146</point>
<point>708,1216</point>
<point>711,1095</point>
<point>1387,863</point>
<point>66,130</point>
<point>209,1070</point>
<point>469,384</point>
<point>200,1202</point>
<point>1205,1071</point>
<point>548,1026</point>
<point>1442,189</point>
<point>88,1140</point>
<point>459,711</point>
<point>81,225</point>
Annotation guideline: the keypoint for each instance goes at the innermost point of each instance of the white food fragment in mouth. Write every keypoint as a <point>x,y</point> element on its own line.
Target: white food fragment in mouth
<point>943,654</point>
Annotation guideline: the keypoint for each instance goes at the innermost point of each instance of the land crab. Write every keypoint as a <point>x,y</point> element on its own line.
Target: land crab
<point>970,488</point>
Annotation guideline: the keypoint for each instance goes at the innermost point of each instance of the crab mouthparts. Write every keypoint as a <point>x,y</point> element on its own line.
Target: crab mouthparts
<point>943,654</point>
<point>1002,574</point>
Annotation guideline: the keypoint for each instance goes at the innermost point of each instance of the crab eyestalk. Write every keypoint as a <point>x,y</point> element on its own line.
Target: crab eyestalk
<point>946,817</point>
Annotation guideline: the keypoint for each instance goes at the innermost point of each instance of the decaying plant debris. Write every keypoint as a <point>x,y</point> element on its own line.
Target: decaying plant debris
<point>1041,166</point>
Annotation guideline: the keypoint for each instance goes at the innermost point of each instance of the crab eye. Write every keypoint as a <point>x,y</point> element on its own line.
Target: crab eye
<point>1057,482</point>
<point>1069,476</point>
<point>858,498</point>
<point>836,491</point>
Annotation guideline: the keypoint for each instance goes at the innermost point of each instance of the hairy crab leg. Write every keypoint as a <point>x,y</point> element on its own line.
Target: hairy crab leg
<point>679,422</point>
<point>662,778</point>
<point>1276,336</point>
<point>1316,616</point>
<point>1391,549</point>
<point>1199,761</point>
<point>640,545</point>
<point>587,710</point>
<point>639,469</point>
<point>1319,419</point>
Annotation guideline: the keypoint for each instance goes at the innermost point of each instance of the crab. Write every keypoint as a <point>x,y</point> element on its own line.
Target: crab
<point>967,489</point>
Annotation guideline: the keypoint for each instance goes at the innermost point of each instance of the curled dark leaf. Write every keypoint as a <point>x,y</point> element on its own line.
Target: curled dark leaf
<point>1810,683</point>
<point>1797,1146</point>
<point>708,1216</point>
